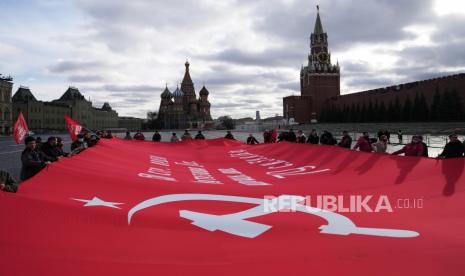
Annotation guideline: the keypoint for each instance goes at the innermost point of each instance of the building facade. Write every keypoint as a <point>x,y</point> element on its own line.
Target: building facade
<point>438,99</point>
<point>6,87</point>
<point>319,80</point>
<point>182,109</point>
<point>43,116</point>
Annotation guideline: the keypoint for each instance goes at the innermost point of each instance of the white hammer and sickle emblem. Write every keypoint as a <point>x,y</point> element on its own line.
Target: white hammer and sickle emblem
<point>237,223</point>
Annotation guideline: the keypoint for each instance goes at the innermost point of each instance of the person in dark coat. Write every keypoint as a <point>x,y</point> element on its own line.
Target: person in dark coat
<point>59,148</point>
<point>7,183</point>
<point>388,135</point>
<point>453,149</point>
<point>291,137</point>
<point>346,140</point>
<point>282,136</point>
<point>380,133</point>
<point>313,138</point>
<point>31,159</point>
<point>251,140</point>
<point>327,138</point>
<point>156,136</point>
<point>79,145</point>
<point>108,135</point>
<point>400,136</point>
<point>128,136</point>
<point>38,143</point>
<point>199,136</point>
<point>267,137</point>
<point>229,135</point>
<point>49,149</point>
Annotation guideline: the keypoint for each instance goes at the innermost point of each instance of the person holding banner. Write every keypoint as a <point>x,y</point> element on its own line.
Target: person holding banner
<point>31,159</point>
<point>78,145</point>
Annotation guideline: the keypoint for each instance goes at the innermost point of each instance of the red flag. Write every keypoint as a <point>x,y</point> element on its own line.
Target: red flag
<point>219,207</point>
<point>74,128</point>
<point>20,129</point>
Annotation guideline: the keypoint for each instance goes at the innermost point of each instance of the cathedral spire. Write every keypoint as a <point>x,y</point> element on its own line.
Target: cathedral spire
<point>318,26</point>
<point>187,77</point>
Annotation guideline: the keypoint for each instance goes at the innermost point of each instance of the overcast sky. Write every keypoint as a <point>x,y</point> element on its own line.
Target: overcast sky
<point>247,52</point>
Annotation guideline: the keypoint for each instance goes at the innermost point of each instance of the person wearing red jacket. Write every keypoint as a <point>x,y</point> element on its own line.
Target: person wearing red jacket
<point>363,143</point>
<point>274,135</point>
<point>415,148</point>
<point>139,136</point>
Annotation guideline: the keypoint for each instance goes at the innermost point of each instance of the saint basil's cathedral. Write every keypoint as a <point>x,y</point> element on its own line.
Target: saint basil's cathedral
<point>182,109</point>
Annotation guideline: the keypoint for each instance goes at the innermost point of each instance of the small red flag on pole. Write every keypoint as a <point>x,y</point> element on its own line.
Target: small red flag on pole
<point>20,129</point>
<point>74,128</point>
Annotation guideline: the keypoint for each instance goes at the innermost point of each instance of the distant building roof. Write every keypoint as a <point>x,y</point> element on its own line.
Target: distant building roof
<point>6,78</point>
<point>23,94</point>
<point>106,107</point>
<point>71,94</point>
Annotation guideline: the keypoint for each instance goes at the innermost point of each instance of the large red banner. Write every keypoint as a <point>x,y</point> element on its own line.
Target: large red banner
<point>219,207</point>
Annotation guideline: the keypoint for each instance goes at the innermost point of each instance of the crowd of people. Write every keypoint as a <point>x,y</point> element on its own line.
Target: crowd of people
<point>379,144</point>
<point>37,154</point>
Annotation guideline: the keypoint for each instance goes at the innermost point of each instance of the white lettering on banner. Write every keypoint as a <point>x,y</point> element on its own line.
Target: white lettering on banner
<point>238,224</point>
<point>296,171</point>
<point>158,160</point>
<point>277,168</point>
<point>159,177</point>
<point>242,178</point>
<point>158,173</point>
<point>201,175</point>
<point>189,164</point>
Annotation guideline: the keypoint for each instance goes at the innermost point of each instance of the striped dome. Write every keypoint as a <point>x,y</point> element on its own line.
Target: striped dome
<point>178,93</point>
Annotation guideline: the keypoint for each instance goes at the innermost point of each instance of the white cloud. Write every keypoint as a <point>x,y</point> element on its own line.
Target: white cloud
<point>124,52</point>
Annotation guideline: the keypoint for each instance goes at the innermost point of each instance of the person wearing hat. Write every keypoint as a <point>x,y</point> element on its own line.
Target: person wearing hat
<point>453,149</point>
<point>31,159</point>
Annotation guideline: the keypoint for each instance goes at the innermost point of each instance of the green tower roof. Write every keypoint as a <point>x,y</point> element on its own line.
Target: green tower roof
<point>318,25</point>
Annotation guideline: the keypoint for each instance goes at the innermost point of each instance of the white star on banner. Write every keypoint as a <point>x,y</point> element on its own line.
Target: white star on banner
<point>98,202</point>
